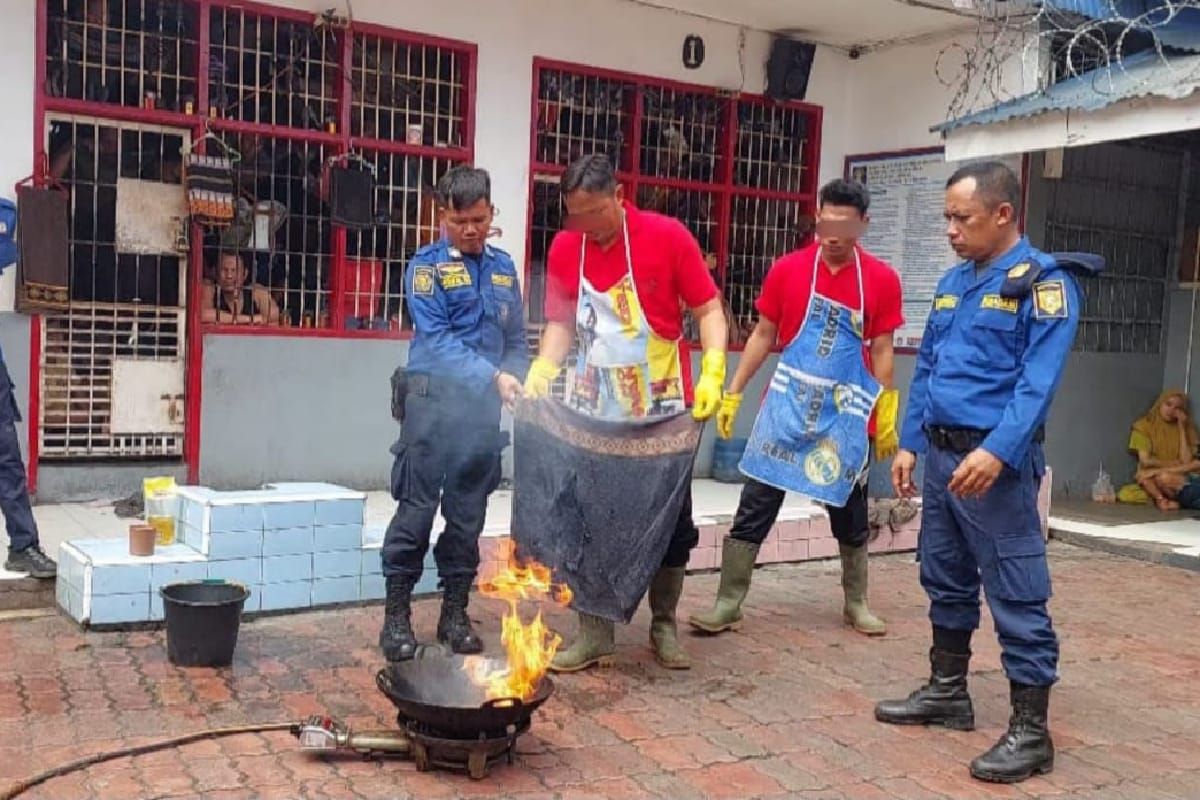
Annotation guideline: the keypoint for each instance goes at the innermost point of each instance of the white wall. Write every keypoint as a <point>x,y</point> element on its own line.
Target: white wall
<point>897,94</point>
<point>17,55</point>
<point>604,33</point>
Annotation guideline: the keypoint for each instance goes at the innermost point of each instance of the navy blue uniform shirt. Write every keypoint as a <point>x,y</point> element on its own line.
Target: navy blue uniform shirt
<point>992,362</point>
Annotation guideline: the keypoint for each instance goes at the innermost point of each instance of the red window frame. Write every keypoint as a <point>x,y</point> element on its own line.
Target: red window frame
<point>338,144</point>
<point>725,189</point>
<point>198,123</point>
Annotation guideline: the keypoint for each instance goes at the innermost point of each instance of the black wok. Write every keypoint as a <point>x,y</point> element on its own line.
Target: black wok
<point>433,689</point>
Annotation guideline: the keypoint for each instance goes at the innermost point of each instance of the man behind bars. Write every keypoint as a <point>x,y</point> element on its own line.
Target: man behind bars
<point>468,356</point>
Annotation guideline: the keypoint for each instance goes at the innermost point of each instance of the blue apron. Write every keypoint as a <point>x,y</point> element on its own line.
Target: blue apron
<point>810,435</point>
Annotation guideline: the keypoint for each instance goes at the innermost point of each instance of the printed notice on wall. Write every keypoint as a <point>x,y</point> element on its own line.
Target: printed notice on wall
<point>907,228</point>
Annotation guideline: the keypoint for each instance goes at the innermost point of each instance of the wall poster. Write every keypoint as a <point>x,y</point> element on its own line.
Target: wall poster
<point>907,228</point>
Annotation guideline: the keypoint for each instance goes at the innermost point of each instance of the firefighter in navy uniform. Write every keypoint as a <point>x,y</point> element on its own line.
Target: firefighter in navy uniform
<point>468,356</point>
<point>997,339</point>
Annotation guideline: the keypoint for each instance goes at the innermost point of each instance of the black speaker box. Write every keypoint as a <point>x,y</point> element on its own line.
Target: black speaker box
<point>788,69</point>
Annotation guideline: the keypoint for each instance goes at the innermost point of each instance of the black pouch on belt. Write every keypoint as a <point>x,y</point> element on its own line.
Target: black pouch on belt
<point>399,393</point>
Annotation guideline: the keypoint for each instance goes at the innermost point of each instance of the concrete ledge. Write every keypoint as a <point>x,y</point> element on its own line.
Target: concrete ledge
<point>26,593</point>
<point>1150,552</point>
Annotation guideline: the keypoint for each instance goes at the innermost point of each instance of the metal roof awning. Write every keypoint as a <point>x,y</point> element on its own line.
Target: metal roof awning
<point>1146,94</point>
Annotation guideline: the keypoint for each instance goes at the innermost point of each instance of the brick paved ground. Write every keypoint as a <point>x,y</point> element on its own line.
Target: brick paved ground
<point>781,709</point>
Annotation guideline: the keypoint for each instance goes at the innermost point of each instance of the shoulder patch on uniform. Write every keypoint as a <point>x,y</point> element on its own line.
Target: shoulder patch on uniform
<point>1020,279</point>
<point>423,281</point>
<point>1050,300</point>
<point>453,275</point>
<point>999,303</point>
<point>943,302</point>
<point>502,280</point>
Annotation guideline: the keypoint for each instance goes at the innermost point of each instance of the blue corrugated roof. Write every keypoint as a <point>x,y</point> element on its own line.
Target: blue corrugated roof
<point>1140,75</point>
<point>1171,22</point>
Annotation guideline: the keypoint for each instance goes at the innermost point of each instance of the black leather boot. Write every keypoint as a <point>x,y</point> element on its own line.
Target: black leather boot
<point>943,701</point>
<point>396,639</point>
<point>454,626</point>
<point>1025,749</point>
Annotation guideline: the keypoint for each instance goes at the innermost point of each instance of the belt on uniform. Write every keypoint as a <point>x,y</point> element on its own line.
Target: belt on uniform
<point>964,440</point>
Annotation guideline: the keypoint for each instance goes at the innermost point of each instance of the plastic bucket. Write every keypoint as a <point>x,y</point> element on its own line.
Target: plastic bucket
<point>727,453</point>
<point>202,619</point>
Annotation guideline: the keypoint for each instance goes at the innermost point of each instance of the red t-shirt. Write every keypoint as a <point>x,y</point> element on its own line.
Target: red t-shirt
<point>786,290</point>
<point>667,267</point>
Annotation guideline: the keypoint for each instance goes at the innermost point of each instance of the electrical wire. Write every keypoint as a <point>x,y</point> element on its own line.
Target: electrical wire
<point>128,752</point>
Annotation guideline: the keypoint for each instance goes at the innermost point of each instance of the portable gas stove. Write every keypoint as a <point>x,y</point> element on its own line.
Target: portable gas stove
<point>445,720</point>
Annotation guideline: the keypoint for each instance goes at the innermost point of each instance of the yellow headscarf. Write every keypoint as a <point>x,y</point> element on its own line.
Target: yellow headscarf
<point>1163,437</point>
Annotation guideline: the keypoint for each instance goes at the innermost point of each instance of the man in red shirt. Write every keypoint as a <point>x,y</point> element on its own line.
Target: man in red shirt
<point>834,307</point>
<point>616,280</point>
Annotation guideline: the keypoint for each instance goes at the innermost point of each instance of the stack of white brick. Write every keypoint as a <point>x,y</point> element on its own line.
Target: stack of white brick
<point>293,545</point>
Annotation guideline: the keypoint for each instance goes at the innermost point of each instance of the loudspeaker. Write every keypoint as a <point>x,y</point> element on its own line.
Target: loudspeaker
<point>788,68</point>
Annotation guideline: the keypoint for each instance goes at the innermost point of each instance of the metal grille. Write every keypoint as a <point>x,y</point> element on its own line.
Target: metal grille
<point>771,144</point>
<point>377,258</point>
<point>681,134</point>
<point>761,230</point>
<point>78,352</point>
<point>582,114</point>
<point>292,263</point>
<point>766,194</point>
<point>273,71</point>
<point>545,221</point>
<point>694,208</point>
<point>125,52</point>
<point>407,92</point>
<point>1119,201</point>
<point>122,305</point>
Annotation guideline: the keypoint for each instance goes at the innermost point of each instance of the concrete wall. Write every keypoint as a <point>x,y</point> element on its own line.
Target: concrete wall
<point>279,409</point>
<point>17,56</point>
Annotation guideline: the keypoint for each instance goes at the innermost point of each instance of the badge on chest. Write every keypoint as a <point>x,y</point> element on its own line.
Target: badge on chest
<point>453,275</point>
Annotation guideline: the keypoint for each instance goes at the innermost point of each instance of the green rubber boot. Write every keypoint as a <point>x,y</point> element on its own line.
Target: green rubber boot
<point>594,645</point>
<point>854,583</point>
<point>737,566</point>
<point>665,590</point>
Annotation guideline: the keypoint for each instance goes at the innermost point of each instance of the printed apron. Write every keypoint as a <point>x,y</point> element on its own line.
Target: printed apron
<point>624,370</point>
<point>810,435</point>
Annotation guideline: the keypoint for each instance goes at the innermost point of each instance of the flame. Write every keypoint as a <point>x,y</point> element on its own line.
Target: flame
<point>528,646</point>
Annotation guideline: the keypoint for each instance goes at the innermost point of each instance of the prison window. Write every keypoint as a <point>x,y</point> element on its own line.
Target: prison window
<point>281,104</point>
<point>737,171</point>
<point>1119,201</point>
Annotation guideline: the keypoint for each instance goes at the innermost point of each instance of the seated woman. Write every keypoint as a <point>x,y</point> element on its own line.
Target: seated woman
<point>231,300</point>
<point>1165,443</point>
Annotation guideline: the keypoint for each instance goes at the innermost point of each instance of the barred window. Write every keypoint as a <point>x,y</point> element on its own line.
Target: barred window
<point>1119,201</point>
<point>250,166</point>
<point>737,171</point>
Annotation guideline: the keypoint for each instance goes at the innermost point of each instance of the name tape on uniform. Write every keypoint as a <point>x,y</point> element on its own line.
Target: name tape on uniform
<point>423,281</point>
<point>453,275</point>
<point>945,302</point>
<point>1050,300</point>
<point>502,280</point>
<point>999,303</point>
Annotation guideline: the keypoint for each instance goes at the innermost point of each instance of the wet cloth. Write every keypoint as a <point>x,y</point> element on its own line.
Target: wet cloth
<point>598,501</point>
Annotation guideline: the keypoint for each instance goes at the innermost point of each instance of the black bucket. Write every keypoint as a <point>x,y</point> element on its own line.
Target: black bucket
<point>202,618</point>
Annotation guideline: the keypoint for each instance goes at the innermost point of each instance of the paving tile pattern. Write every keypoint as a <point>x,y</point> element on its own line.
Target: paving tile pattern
<point>780,709</point>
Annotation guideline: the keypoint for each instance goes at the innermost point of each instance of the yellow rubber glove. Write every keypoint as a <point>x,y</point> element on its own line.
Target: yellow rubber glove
<point>727,413</point>
<point>887,439</point>
<point>708,388</point>
<point>542,373</point>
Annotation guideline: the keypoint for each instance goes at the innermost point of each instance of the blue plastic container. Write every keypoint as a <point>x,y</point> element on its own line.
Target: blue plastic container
<point>726,455</point>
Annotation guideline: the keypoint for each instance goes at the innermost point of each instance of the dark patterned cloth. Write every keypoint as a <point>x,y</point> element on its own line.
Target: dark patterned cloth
<point>597,501</point>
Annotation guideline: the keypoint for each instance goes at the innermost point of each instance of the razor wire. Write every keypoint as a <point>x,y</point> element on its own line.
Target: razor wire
<point>1048,42</point>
